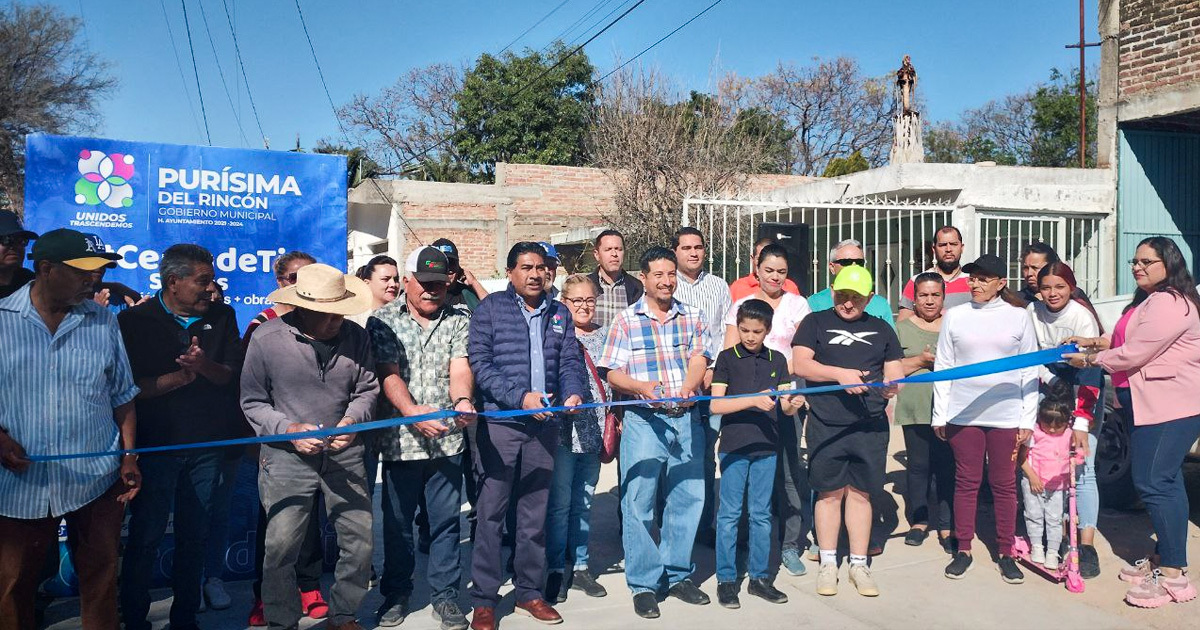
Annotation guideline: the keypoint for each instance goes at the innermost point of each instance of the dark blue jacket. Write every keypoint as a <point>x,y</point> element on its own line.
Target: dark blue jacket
<point>498,349</point>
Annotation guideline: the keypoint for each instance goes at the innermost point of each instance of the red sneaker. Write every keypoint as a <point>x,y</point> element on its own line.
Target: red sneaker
<point>257,617</point>
<point>313,604</point>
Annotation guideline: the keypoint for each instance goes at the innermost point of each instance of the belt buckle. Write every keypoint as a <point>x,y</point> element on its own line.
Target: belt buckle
<point>675,411</point>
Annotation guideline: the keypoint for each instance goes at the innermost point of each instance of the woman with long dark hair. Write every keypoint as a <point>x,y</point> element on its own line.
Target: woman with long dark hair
<point>1061,311</point>
<point>1161,357</point>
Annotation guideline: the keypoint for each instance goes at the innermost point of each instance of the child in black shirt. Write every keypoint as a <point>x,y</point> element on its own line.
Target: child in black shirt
<point>748,441</point>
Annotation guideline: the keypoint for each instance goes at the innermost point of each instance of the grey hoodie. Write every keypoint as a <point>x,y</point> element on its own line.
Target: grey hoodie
<point>282,383</point>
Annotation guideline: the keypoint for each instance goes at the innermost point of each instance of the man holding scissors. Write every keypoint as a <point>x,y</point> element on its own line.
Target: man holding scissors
<point>524,355</point>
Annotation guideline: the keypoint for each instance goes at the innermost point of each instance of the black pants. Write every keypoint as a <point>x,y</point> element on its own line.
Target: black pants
<point>308,567</point>
<point>929,479</point>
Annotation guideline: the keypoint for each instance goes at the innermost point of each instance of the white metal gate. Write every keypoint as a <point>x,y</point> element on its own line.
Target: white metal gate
<point>1076,238</point>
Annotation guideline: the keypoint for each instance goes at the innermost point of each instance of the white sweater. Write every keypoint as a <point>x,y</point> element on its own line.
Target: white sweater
<point>972,333</point>
<point>1052,328</point>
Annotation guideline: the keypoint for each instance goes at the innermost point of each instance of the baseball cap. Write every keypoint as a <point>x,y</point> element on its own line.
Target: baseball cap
<point>427,264</point>
<point>854,278</point>
<point>987,264</point>
<point>446,246</point>
<point>98,244</point>
<point>10,225</point>
<point>551,253</point>
<point>71,248</point>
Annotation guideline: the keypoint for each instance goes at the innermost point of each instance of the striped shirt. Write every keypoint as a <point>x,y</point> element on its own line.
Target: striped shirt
<point>710,294</point>
<point>58,397</point>
<point>651,351</point>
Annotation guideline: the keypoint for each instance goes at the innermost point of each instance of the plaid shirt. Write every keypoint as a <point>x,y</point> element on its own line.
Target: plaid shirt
<point>651,351</point>
<point>613,299</point>
<point>423,356</point>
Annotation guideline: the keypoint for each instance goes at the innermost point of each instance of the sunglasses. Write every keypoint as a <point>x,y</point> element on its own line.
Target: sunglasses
<point>846,262</point>
<point>289,278</point>
<point>13,241</point>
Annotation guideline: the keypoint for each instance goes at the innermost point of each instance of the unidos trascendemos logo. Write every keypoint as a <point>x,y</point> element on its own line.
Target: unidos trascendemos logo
<point>104,179</point>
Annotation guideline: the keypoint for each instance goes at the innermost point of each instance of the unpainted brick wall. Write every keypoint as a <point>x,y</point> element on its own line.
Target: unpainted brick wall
<point>1159,45</point>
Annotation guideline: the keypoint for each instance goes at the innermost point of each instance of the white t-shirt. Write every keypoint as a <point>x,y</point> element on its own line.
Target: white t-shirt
<point>1052,328</point>
<point>791,311</point>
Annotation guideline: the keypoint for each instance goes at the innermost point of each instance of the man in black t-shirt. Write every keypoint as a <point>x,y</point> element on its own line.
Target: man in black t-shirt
<point>13,239</point>
<point>848,432</point>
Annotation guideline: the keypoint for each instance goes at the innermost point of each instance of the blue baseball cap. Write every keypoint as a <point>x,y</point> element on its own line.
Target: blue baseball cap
<point>551,253</point>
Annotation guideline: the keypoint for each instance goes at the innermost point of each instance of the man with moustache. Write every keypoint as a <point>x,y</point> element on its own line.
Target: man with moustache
<point>67,389</point>
<point>186,354</point>
<point>659,348</point>
<point>617,289</point>
<point>524,355</point>
<point>420,346</point>
<point>13,239</point>
<point>946,249</point>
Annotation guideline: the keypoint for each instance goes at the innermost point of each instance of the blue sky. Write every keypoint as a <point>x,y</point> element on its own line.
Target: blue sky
<point>966,51</point>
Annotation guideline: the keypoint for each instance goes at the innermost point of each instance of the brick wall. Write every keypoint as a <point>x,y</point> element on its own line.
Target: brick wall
<point>568,197</point>
<point>1159,45</point>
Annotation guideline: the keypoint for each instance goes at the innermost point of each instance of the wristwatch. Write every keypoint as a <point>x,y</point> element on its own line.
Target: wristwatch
<point>460,399</point>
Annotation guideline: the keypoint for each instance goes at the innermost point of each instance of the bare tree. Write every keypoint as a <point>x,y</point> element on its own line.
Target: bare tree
<point>657,147</point>
<point>833,109</point>
<point>49,83</point>
<point>405,119</point>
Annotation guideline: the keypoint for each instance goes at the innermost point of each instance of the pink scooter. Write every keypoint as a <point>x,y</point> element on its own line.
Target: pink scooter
<point>1068,571</point>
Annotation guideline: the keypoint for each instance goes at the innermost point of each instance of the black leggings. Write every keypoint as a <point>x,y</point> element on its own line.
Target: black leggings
<point>930,477</point>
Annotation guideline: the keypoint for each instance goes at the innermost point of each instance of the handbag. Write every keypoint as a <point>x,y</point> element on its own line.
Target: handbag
<point>611,442</point>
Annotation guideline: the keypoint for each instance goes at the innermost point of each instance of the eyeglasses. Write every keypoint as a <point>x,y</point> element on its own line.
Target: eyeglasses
<point>289,278</point>
<point>1144,263</point>
<point>581,302</point>
<point>13,241</point>
<point>846,262</point>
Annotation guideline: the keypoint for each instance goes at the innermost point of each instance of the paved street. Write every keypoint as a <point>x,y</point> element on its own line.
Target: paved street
<point>914,592</point>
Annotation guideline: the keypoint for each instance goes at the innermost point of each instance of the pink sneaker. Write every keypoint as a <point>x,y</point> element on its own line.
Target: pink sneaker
<point>1159,589</point>
<point>313,604</point>
<point>257,618</point>
<point>1137,573</point>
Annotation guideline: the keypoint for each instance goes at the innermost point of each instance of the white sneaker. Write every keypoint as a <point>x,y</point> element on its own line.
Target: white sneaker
<point>1037,554</point>
<point>1051,560</point>
<point>214,592</point>
<point>860,577</point>
<point>827,579</point>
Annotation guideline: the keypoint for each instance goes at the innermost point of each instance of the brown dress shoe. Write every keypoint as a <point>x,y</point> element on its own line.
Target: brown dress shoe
<point>540,611</point>
<point>349,625</point>
<point>483,618</point>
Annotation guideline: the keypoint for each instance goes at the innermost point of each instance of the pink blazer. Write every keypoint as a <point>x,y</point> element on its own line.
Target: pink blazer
<point>1161,354</point>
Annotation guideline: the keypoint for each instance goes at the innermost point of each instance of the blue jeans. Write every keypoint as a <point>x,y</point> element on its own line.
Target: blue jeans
<point>440,482</point>
<point>569,512</point>
<point>1087,493</point>
<point>738,472</point>
<point>185,480</point>
<point>218,523</point>
<point>1157,456</point>
<point>712,426</point>
<point>652,442</point>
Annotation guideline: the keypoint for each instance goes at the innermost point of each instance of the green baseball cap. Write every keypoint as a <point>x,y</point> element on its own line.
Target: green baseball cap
<point>854,278</point>
<point>71,248</point>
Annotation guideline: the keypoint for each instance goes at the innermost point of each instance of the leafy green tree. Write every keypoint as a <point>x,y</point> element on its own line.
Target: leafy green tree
<point>359,166</point>
<point>844,166</point>
<point>531,109</point>
<point>1056,121</point>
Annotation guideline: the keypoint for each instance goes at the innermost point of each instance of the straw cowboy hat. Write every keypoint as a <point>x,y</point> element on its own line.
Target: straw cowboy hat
<point>323,289</point>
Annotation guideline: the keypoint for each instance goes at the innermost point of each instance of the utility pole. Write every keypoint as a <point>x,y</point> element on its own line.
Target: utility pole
<point>1083,45</point>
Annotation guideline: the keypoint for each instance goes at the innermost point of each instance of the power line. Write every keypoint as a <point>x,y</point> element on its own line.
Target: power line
<point>221,73</point>
<point>599,21</point>
<point>196,70</point>
<point>424,152</point>
<point>238,53</point>
<point>660,40</point>
<point>319,73</point>
<point>535,25</point>
<point>600,4</point>
<point>179,65</point>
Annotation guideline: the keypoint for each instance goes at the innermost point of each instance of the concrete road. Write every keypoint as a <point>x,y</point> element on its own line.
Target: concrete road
<point>914,592</point>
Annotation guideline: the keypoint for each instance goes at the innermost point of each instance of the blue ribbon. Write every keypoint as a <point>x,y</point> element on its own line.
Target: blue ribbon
<point>996,366</point>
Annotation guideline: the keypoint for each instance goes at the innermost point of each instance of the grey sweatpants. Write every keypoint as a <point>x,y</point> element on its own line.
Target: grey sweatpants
<point>287,482</point>
<point>1043,513</point>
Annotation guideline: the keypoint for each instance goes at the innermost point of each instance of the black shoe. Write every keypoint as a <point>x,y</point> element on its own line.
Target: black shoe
<point>762,587</point>
<point>1009,571</point>
<point>583,581</point>
<point>687,592</point>
<point>646,605</point>
<point>1089,562</point>
<point>915,537</point>
<point>727,595</point>
<point>556,588</point>
<point>949,545</point>
<point>392,612</point>
<point>959,566</point>
<point>448,613</point>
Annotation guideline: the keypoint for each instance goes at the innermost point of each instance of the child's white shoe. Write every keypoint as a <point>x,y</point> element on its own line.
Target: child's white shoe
<point>1037,554</point>
<point>1051,560</point>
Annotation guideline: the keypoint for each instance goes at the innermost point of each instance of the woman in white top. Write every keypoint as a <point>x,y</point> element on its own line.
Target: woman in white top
<point>382,276</point>
<point>988,416</point>
<point>1062,313</point>
<point>794,493</point>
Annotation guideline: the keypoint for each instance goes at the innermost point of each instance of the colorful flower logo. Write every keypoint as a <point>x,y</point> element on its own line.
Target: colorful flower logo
<point>105,179</point>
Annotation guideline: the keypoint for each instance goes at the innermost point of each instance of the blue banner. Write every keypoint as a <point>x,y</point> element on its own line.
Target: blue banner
<point>246,206</point>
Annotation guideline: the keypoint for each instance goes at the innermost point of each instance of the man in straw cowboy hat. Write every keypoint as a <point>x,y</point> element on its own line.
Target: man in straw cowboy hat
<point>306,370</point>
